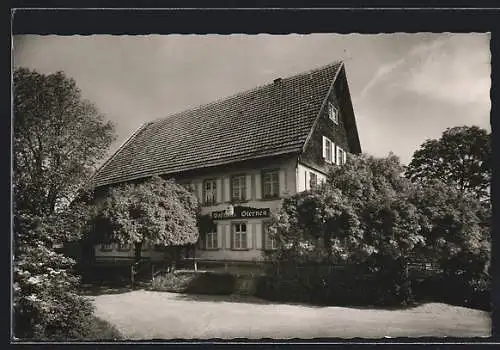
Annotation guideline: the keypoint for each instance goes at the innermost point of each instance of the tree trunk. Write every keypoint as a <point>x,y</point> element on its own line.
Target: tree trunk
<point>137,252</point>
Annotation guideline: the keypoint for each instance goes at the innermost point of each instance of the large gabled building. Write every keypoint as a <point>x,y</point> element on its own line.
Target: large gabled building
<point>244,153</point>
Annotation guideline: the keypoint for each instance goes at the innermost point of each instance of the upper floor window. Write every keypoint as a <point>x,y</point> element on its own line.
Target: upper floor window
<point>333,113</point>
<point>270,184</point>
<point>211,240</point>
<point>341,156</point>
<point>328,150</point>
<point>238,188</point>
<point>209,192</point>
<point>270,242</point>
<point>239,239</point>
<point>313,180</point>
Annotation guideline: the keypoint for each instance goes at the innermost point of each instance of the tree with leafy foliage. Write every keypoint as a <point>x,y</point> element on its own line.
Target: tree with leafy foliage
<point>362,209</point>
<point>360,217</point>
<point>58,139</point>
<point>156,212</point>
<point>457,230</point>
<point>369,216</point>
<point>461,157</point>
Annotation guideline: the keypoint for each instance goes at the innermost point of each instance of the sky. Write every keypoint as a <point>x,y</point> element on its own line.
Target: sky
<point>405,88</point>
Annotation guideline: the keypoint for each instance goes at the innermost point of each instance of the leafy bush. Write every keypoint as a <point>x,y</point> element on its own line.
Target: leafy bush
<point>46,304</point>
<point>195,282</point>
<point>333,285</point>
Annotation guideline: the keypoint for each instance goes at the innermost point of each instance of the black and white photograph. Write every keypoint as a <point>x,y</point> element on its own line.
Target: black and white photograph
<point>264,186</point>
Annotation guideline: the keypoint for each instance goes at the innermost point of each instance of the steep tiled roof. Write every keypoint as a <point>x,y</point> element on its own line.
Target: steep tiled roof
<point>271,119</point>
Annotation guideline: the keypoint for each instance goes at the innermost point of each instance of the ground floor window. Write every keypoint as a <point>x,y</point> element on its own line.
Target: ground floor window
<point>124,247</point>
<point>106,247</point>
<point>239,239</point>
<point>211,240</point>
<point>269,241</point>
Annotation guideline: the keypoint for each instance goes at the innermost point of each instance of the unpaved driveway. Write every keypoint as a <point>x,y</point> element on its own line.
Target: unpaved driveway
<point>159,315</point>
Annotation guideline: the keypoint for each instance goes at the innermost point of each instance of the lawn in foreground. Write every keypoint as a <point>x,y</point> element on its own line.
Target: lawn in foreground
<point>160,315</point>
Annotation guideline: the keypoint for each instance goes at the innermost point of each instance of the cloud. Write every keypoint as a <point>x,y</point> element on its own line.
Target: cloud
<point>381,72</point>
<point>454,69</point>
<point>457,71</point>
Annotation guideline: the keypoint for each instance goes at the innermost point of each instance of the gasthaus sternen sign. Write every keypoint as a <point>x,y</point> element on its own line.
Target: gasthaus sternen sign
<point>241,213</point>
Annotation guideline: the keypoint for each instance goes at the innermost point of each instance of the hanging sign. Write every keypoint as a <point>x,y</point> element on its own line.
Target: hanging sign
<point>241,213</point>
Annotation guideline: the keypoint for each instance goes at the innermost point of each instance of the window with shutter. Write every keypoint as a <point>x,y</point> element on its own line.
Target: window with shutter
<point>269,242</point>
<point>124,247</point>
<point>239,240</point>
<point>211,240</point>
<point>238,188</point>
<point>106,247</point>
<point>270,184</point>
<point>209,192</point>
<point>340,156</point>
<point>313,181</point>
<point>327,149</point>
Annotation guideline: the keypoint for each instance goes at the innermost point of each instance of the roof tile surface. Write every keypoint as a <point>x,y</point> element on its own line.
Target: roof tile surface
<point>270,119</point>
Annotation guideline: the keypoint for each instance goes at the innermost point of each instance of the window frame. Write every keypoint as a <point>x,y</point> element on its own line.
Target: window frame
<point>121,248</point>
<point>107,247</point>
<point>340,156</point>
<point>270,171</point>
<point>329,159</point>
<point>311,176</point>
<point>265,236</point>
<point>242,189</point>
<point>234,232</point>
<point>332,110</point>
<point>214,191</point>
<point>213,240</point>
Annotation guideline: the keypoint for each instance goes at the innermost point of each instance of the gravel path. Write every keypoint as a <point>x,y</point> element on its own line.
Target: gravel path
<point>159,315</point>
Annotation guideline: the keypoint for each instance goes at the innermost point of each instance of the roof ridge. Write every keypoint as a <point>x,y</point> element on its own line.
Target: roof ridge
<point>238,94</point>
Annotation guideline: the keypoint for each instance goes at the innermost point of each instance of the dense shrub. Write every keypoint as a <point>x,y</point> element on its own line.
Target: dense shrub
<point>195,282</point>
<point>334,285</point>
<point>46,304</point>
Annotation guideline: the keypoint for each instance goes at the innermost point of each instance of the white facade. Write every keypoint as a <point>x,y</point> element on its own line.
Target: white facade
<point>226,241</point>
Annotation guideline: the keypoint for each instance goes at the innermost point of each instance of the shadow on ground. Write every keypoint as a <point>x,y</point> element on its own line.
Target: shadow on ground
<point>234,298</point>
<point>102,289</point>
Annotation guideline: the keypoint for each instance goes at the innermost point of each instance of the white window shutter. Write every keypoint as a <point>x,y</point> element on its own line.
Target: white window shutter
<point>228,235</point>
<point>282,183</point>
<point>219,190</point>
<point>258,187</point>
<point>334,153</point>
<point>305,180</point>
<point>248,185</point>
<point>220,236</point>
<point>324,147</point>
<point>258,233</point>
<point>199,190</point>
<point>250,231</point>
<point>227,189</point>
<point>345,157</point>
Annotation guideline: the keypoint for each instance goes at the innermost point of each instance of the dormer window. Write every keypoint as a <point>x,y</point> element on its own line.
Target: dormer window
<point>332,113</point>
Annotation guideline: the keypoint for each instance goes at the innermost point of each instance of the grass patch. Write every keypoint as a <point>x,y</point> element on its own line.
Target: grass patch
<point>195,282</point>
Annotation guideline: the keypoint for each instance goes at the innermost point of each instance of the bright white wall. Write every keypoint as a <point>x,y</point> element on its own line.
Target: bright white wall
<point>303,177</point>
